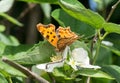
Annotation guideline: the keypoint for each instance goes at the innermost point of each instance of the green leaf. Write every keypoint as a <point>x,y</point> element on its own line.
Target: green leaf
<point>2,28</point>
<point>2,47</point>
<point>47,10</point>
<point>8,70</point>
<point>100,80</point>
<point>114,50</point>
<point>61,74</point>
<point>58,15</point>
<point>79,44</point>
<point>113,70</point>
<point>77,26</point>
<point>39,53</point>
<point>78,11</point>
<point>2,79</point>
<point>13,40</point>
<point>73,4</point>
<point>9,40</point>
<point>103,55</point>
<point>112,28</point>
<point>93,73</point>
<point>41,1</point>
<point>11,19</point>
<point>14,50</point>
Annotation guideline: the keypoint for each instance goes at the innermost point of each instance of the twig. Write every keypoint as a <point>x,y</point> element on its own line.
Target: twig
<point>112,10</point>
<point>24,70</point>
<point>93,42</point>
<point>107,19</point>
<point>30,6</point>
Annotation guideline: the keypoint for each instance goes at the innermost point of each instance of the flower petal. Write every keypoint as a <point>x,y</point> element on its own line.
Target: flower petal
<point>49,67</point>
<point>73,64</point>
<point>79,58</point>
<point>90,66</point>
<point>65,52</point>
<point>80,55</point>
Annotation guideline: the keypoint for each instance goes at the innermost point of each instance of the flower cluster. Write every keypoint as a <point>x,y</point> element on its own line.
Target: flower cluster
<point>78,59</point>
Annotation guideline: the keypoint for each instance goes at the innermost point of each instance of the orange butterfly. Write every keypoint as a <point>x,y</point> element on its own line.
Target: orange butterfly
<point>59,38</point>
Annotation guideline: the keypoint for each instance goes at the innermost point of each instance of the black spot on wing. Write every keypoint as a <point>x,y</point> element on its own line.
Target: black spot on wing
<point>52,40</point>
<point>50,32</point>
<point>54,36</point>
<point>47,37</point>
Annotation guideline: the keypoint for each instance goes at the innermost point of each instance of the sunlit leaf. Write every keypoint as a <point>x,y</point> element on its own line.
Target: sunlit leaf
<point>2,47</point>
<point>47,10</point>
<point>2,79</point>
<point>11,19</point>
<point>41,1</point>
<point>2,28</point>
<point>77,26</point>
<point>112,28</point>
<point>39,53</point>
<point>77,10</point>
<point>9,40</point>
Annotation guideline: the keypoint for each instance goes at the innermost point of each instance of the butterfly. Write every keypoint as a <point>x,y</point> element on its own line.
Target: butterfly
<point>59,38</point>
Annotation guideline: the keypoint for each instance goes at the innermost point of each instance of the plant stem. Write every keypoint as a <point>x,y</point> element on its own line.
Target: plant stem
<point>24,70</point>
<point>100,38</point>
<point>112,10</point>
<point>99,34</point>
<point>92,44</point>
<point>88,80</point>
<point>9,79</point>
<point>97,51</point>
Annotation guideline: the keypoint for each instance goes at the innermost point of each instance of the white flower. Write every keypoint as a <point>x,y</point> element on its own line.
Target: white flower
<point>49,67</point>
<point>73,64</point>
<point>79,58</point>
<point>80,55</point>
<point>5,5</point>
<point>107,43</point>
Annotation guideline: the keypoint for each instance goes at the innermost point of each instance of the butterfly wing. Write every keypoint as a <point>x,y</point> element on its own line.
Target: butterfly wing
<point>48,32</point>
<point>66,37</point>
<point>63,42</point>
<point>59,38</point>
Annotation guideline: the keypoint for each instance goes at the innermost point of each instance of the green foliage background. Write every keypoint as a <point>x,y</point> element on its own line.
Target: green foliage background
<point>19,39</point>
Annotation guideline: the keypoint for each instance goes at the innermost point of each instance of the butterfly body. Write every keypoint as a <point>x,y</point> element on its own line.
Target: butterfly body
<point>59,38</point>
